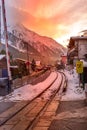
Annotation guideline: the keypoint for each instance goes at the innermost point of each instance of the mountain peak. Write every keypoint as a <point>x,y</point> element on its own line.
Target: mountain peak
<point>21,37</point>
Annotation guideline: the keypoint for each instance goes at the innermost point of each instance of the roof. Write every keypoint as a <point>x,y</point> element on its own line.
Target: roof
<point>75,38</point>
<point>79,38</point>
<point>72,50</point>
<point>2,56</point>
<point>64,56</point>
<point>20,59</point>
<point>14,66</point>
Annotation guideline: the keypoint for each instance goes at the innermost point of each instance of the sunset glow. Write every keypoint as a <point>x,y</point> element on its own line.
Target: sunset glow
<point>53,18</point>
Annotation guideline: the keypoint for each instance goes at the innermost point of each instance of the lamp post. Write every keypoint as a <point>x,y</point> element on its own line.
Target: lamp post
<point>27,52</point>
<point>0,23</point>
<point>6,44</point>
<point>28,57</point>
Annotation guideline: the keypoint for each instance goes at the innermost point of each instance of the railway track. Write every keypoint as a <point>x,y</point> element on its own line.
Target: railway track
<point>26,114</point>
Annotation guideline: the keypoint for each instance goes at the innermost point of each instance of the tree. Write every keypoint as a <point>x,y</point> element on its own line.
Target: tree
<point>33,65</point>
<point>3,52</point>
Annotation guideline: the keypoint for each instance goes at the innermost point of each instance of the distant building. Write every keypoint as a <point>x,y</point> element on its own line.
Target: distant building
<point>38,63</point>
<point>3,63</point>
<point>77,48</point>
<point>3,66</point>
<point>64,59</point>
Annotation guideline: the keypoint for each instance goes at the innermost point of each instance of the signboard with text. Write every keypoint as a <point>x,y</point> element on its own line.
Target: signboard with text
<point>79,67</point>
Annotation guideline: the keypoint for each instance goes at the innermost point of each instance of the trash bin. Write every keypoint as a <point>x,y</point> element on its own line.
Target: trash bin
<point>4,86</point>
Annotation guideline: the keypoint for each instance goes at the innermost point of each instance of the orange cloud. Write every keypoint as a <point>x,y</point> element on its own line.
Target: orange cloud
<point>53,18</point>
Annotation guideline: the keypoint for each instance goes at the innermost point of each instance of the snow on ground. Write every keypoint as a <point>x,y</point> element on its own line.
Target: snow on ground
<point>53,87</point>
<point>1,56</point>
<point>28,92</point>
<point>74,92</point>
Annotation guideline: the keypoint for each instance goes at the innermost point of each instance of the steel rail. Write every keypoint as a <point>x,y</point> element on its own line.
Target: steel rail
<point>29,102</point>
<point>35,120</point>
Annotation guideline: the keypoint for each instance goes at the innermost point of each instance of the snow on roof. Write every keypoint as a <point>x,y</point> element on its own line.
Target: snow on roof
<point>20,59</point>
<point>79,38</point>
<point>71,51</point>
<point>1,57</point>
<point>14,66</point>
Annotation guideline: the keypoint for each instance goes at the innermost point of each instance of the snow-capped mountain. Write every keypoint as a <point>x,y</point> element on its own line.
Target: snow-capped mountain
<point>27,41</point>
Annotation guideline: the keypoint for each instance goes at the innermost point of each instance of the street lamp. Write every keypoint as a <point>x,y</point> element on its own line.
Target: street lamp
<point>28,57</point>
<point>27,51</point>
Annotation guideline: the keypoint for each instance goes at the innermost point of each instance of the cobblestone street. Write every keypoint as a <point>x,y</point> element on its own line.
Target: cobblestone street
<point>70,115</point>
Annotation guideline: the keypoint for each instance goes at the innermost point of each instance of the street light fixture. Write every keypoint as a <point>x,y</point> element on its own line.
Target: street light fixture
<point>28,57</point>
<point>27,51</point>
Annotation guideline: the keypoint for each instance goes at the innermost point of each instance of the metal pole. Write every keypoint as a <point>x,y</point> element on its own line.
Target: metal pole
<point>6,43</point>
<point>28,57</point>
<point>0,24</point>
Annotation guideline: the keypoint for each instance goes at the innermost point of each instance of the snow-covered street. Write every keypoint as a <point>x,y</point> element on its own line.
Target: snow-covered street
<point>74,92</point>
<point>17,107</point>
<point>28,92</point>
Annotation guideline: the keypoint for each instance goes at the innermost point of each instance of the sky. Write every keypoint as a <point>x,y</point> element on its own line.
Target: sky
<point>58,19</point>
